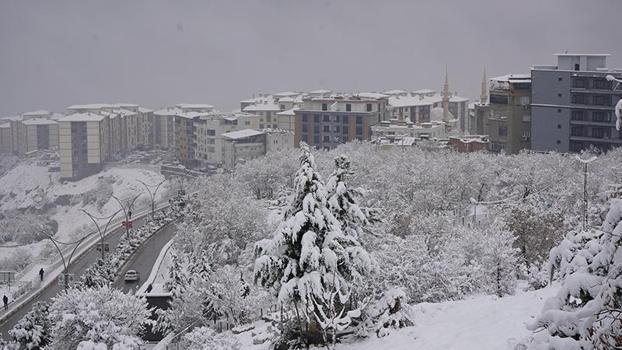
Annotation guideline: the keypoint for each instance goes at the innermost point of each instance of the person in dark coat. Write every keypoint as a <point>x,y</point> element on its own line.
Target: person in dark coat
<point>5,300</point>
<point>41,272</point>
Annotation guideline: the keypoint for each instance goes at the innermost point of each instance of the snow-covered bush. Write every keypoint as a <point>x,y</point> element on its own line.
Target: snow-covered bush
<point>102,315</point>
<point>17,260</point>
<point>204,338</point>
<point>391,311</point>
<point>585,313</point>
<point>33,330</point>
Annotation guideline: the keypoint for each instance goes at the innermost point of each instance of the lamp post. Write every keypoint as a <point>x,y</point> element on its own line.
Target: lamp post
<point>585,162</point>
<point>68,261</point>
<point>127,212</point>
<point>101,234</point>
<point>152,194</point>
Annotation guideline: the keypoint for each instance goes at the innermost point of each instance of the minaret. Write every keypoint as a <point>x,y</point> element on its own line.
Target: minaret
<point>483,97</point>
<point>446,98</point>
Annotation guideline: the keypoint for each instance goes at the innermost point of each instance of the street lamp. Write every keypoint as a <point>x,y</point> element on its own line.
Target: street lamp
<point>127,212</point>
<point>585,162</point>
<point>65,262</point>
<point>152,194</point>
<point>101,234</point>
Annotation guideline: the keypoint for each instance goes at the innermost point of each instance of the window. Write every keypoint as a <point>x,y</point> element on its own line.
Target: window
<point>576,131</point>
<point>324,106</point>
<point>598,133</point>
<point>576,115</point>
<point>336,128</point>
<point>326,128</point>
<point>336,119</point>
<point>368,107</point>
<point>326,117</point>
<point>503,131</point>
<point>305,127</point>
<point>600,100</point>
<point>316,139</point>
<point>601,116</point>
<point>579,83</point>
<point>576,67</point>
<point>602,84</point>
<point>579,99</point>
<point>211,132</point>
<point>359,131</point>
<point>304,118</point>
<point>316,118</point>
<point>498,99</point>
<point>326,138</point>
<point>344,119</point>
<point>348,107</point>
<point>282,107</point>
<point>316,129</point>
<point>359,120</point>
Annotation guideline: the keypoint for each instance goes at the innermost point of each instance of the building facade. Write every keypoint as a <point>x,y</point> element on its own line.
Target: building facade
<point>327,122</point>
<point>573,104</point>
<point>83,144</point>
<point>508,122</point>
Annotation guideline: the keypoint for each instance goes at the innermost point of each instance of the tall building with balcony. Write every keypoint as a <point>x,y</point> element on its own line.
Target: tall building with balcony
<point>508,121</point>
<point>326,121</point>
<point>573,104</point>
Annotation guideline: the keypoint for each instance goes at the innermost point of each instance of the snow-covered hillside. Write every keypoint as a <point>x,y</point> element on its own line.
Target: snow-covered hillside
<point>29,191</point>
<point>482,323</point>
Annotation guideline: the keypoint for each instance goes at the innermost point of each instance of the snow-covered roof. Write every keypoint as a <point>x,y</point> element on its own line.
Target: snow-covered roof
<point>144,110</point>
<point>5,126</point>
<point>583,54</point>
<point>289,112</point>
<point>234,135</point>
<point>192,115</point>
<point>167,111</point>
<point>320,92</point>
<point>395,92</point>
<point>125,105</point>
<point>91,106</point>
<point>82,117</point>
<point>413,100</point>
<point>260,107</point>
<point>513,78</point>
<point>287,94</point>
<point>39,121</point>
<point>37,113</point>
<point>194,106</point>
<point>424,91</point>
<point>372,95</point>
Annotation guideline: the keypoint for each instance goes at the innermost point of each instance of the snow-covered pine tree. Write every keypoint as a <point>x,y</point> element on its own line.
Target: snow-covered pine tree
<point>33,330</point>
<point>586,312</point>
<point>307,261</point>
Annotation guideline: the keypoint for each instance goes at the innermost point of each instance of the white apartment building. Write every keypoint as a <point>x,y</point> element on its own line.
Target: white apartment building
<point>242,145</point>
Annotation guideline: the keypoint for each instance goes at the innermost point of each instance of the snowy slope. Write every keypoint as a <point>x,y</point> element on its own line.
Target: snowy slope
<point>482,323</point>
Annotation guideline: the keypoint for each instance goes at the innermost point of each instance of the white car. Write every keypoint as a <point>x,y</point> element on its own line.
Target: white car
<point>131,275</point>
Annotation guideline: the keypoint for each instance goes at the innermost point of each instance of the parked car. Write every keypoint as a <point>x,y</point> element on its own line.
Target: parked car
<point>131,275</point>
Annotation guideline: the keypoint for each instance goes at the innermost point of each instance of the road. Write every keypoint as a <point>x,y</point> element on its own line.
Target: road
<point>76,267</point>
<point>143,260</point>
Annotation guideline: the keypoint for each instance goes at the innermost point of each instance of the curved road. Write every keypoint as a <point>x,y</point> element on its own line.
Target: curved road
<point>143,260</point>
<point>76,267</point>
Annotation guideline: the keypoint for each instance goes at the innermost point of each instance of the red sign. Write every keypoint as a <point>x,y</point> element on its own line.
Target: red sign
<point>127,224</point>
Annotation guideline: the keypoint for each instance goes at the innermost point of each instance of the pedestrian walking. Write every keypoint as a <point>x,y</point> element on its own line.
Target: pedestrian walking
<point>41,272</point>
<point>5,300</point>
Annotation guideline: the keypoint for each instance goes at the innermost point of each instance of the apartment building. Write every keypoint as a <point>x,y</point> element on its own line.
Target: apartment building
<point>508,121</point>
<point>572,105</point>
<point>83,144</point>
<point>242,145</point>
<point>185,137</point>
<point>395,130</point>
<point>6,139</point>
<point>164,127</point>
<point>39,134</point>
<point>325,121</point>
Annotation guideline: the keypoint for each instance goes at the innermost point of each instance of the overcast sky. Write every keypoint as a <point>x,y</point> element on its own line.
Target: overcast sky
<point>157,53</point>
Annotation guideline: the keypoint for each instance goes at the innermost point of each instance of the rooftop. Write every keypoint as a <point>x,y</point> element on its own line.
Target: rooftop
<point>259,107</point>
<point>5,126</point>
<point>235,135</point>
<point>583,54</point>
<point>39,121</point>
<point>194,106</point>
<point>37,113</point>
<point>289,112</point>
<point>91,106</point>
<point>82,117</point>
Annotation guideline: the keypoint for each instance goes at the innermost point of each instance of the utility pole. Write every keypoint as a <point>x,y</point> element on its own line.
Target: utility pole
<point>101,234</point>
<point>67,262</point>
<point>152,194</point>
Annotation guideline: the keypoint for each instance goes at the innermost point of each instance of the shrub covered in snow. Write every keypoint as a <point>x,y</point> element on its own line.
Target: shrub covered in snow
<point>203,338</point>
<point>33,331</point>
<point>585,314</point>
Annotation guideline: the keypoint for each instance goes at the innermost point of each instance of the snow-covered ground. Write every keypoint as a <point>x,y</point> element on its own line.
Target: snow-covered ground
<point>482,323</point>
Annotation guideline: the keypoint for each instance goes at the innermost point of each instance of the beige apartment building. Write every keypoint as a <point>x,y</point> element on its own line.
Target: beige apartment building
<point>242,145</point>
<point>39,134</point>
<point>83,144</point>
<point>6,139</point>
